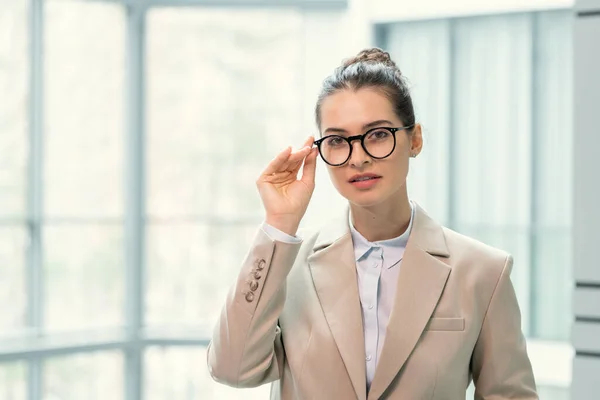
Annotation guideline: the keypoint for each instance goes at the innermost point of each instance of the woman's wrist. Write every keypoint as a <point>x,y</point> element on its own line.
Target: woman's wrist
<point>285,225</point>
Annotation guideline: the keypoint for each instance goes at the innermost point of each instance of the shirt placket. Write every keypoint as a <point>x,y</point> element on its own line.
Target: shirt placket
<point>373,266</point>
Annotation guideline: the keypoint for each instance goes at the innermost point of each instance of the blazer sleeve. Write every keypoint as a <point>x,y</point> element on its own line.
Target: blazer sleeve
<point>246,349</point>
<point>500,365</point>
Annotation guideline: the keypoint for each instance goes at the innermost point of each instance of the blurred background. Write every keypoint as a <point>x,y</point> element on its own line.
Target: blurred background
<point>132,132</point>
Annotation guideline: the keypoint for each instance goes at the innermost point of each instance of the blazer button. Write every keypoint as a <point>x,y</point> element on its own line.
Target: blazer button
<point>253,285</point>
<point>261,264</point>
<point>249,297</point>
<point>256,275</point>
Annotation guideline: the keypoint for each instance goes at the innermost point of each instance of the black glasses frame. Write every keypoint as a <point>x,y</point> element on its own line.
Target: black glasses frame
<point>362,137</point>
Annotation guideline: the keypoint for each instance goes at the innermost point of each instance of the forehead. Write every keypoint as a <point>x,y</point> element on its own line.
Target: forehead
<point>349,109</point>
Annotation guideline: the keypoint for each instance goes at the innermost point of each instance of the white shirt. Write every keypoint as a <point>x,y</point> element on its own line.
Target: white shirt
<point>377,267</point>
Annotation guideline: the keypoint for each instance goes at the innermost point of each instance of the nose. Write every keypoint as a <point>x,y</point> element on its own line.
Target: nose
<point>359,157</point>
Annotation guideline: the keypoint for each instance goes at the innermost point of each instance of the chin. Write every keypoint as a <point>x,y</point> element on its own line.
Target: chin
<point>364,198</point>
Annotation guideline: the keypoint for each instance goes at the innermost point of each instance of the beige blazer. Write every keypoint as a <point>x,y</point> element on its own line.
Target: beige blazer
<point>294,318</point>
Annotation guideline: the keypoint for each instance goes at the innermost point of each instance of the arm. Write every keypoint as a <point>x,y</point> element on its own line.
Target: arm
<point>500,365</point>
<point>246,349</point>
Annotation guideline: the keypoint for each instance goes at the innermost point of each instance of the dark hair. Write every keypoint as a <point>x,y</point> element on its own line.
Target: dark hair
<point>370,68</point>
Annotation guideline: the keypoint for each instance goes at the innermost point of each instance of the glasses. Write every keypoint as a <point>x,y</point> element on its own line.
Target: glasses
<point>378,143</point>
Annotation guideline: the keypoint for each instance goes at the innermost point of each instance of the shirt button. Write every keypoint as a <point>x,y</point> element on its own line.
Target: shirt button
<point>370,306</point>
<point>369,357</point>
<point>375,265</point>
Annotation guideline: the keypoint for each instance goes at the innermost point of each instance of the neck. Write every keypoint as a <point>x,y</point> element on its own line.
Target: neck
<point>382,221</point>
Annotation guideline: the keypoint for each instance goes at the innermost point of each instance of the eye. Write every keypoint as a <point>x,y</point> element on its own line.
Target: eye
<point>379,134</point>
<point>335,141</point>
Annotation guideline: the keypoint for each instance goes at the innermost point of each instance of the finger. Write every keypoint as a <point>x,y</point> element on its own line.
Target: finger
<point>302,152</point>
<point>295,160</point>
<point>310,166</point>
<point>278,162</point>
<point>309,141</point>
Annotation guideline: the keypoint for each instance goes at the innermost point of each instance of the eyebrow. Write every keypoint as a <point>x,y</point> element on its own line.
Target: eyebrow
<point>365,126</point>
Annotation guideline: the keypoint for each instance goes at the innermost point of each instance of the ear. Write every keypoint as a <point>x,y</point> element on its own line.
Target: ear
<point>416,140</point>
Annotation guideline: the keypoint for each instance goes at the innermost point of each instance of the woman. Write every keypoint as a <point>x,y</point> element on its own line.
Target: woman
<point>382,302</point>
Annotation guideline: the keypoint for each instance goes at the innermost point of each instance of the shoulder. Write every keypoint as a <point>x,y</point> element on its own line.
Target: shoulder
<point>476,261</point>
<point>461,245</point>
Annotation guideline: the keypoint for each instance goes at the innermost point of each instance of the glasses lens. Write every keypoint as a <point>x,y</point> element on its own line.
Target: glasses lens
<point>335,149</point>
<point>379,143</point>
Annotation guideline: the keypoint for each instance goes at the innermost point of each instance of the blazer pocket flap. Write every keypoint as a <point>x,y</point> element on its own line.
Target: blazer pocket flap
<point>446,324</point>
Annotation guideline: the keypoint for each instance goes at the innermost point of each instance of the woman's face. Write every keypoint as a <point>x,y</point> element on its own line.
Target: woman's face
<point>349,113</point>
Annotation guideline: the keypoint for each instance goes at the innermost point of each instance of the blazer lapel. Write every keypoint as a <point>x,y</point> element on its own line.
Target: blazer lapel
<point>421,281</point>
<point>333,270</point>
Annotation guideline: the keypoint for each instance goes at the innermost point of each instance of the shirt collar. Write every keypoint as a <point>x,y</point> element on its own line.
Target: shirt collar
<point>362,246</point>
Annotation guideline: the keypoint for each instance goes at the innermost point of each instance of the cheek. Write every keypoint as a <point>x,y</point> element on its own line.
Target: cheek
<point>397,170</point>
<point>397,165</point>
<point>336,175</point>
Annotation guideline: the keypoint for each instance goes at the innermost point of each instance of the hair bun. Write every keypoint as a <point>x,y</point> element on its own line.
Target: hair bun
<point>372,55</point>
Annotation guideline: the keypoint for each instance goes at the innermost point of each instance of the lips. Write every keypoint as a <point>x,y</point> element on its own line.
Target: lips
<point>363,177</point>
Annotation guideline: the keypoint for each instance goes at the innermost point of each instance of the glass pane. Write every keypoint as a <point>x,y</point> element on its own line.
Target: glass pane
<point>13,381</point>
<point>13,298</point>
<point>219,109</point>
<point>84,108</point>
<point>190,269</point>
<point>554,393</point>
<point>172,373</point>
<point>554,117</point>
<point>84,275</point>
<point>553,318</point>
<point>493,120</point>
<point>14,79</point>
<point>492,124</point>
<point>553,264</point>
<point>89,376</point>
<point>422,52</point>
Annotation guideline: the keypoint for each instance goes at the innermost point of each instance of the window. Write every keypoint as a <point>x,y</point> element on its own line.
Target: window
<point>227,104</point>
<point>83,159</point>
<point>14,79</point>
<point>128,155</point>
<point>13,380</point>
<point>94,376</point>
<point>493,94</point>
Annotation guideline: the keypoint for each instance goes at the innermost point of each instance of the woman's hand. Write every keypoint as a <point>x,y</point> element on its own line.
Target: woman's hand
<point>284,196</point>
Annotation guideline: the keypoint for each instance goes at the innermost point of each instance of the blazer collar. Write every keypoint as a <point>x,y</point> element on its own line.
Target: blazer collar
<point>425,233</point>
<point>421,281</point>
